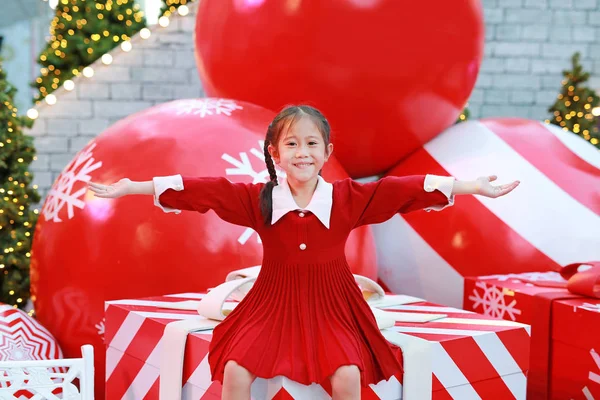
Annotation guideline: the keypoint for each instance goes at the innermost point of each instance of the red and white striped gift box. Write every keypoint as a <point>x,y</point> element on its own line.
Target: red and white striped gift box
<point>551,219</point>
<point>564,350</point>
<point>458,355</point>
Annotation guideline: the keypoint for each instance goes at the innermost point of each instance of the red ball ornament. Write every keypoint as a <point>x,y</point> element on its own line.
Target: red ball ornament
<point>88,250</point>
<point>388,74</point>
<point>550,220</point>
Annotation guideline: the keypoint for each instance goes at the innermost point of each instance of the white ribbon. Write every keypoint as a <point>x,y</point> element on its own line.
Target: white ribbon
<point>215,308</point>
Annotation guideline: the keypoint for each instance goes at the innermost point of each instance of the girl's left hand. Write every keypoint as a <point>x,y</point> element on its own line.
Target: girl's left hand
<point>485,188</point>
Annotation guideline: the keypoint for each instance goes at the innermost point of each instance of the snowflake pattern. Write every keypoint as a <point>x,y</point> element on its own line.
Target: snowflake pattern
<point>493,302</point>
<point>100,327</point>
<point>592,376</point>
<point>206,107</point>
<point>243,166</point>
<point>62,194</point>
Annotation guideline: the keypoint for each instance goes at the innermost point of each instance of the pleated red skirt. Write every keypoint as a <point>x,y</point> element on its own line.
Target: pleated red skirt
<point>304,321</point>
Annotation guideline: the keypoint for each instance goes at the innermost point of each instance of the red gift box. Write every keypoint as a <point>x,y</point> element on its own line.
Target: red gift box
<point>447,354</point>
<point>563,309</point>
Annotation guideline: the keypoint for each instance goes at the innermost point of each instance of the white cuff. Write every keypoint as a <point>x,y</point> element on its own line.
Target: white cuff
<point>442,183</point>
<point>162,183</point>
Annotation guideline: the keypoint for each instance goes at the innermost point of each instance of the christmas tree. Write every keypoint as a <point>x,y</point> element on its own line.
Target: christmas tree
<point>464,115</point>
<point>574,107</point>
<point>170,6</point>
<point>17,220</point>
<point>80,33</point>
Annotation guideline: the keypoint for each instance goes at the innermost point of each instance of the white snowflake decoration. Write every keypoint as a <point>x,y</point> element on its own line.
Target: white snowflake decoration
<point>244,167</point>
<point>61,192</point>
<point>592,376</point>
<point>208,106</point>
<point>100,327</point>
<point>493,302</point>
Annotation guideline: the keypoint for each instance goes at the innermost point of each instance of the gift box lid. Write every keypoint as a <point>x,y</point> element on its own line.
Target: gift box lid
<point>461,349</point>
<point>577,322</point>
<point>511,296</point>
<point>454,348</point>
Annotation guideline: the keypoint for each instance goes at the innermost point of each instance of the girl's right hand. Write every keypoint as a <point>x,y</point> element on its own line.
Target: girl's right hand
<point>121,188</point>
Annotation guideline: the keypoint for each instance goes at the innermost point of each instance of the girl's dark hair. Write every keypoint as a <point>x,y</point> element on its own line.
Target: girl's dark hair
<point>284,121</point>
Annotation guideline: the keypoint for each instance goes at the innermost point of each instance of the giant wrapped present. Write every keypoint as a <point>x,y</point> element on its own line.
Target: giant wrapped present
<point>447,353</point>
<point>563,309</point>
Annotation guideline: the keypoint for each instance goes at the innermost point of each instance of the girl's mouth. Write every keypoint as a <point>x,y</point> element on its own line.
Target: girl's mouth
<point>303,165</point>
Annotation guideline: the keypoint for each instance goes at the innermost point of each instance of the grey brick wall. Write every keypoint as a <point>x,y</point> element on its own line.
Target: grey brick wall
<point>126,86</point>
<point>528,44</point>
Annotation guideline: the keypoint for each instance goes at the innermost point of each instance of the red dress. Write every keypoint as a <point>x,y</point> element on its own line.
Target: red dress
<point>305,315</point>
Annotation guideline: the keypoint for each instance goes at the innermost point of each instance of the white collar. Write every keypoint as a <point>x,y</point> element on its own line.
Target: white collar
<point>320,203</point>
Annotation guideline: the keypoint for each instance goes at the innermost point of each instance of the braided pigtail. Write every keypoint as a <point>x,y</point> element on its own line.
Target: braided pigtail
<point>266,194</point>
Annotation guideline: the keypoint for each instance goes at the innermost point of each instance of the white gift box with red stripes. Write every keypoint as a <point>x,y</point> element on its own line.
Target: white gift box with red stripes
<point>454,354</point>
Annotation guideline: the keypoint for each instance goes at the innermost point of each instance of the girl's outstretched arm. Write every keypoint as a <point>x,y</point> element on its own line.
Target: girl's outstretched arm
<point>483,187</point>
<point>121,188</point>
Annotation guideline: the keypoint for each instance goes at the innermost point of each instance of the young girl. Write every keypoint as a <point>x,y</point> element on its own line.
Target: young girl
<point>305,318</point>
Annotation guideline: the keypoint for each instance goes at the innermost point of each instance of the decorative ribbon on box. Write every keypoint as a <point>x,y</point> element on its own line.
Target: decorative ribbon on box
<point>545,300</point>
<point>447,353</point>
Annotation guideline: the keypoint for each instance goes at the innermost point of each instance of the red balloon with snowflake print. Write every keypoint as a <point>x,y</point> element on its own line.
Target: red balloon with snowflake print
<point>88,249</point>
<point>550,220</point>
<point>389,74</point>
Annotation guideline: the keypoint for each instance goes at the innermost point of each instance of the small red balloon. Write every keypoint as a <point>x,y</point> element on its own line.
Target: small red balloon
<point>388,74</point>
<point>88,250</point>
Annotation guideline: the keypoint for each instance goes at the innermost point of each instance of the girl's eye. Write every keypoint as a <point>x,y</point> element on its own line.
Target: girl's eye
<point>291,144</point>
<point>312,143</point>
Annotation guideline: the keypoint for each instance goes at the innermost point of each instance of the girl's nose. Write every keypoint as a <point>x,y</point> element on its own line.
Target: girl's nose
<point>301,151</point>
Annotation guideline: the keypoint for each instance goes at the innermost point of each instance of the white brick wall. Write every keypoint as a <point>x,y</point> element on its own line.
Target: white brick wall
<point>528,45</point>
<point>156,70</point>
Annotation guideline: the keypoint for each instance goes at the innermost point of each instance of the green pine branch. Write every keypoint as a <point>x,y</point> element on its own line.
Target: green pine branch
<point>464,115</point>
<point>80,33</point>
<point>169,7</point>
<point>17,219</point>
<point>572,110</point>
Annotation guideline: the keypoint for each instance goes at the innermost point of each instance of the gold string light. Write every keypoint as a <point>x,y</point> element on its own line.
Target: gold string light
<point>58,43</point>
<point>106,58</point>
<point>12,194</point>
<point>587,107</point>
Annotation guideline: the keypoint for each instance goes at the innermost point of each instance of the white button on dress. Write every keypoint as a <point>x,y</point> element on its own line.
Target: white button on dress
<point>301,214</point>
<point>302,246</point>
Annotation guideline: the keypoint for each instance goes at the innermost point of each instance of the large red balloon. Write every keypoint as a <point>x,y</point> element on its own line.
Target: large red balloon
<point>88,250</point>
<point>389,74</point>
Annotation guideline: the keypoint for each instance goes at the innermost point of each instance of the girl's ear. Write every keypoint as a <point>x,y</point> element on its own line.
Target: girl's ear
<point>329,151</point>
<point>273,153</point>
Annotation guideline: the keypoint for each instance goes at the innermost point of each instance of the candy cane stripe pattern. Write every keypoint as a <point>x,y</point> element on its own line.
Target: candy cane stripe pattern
<point>22,338</point>
<point>551,219</point>
<point>470,356</point>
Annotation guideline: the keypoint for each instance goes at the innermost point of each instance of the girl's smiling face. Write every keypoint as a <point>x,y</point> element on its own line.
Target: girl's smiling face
<point>301,151</point>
